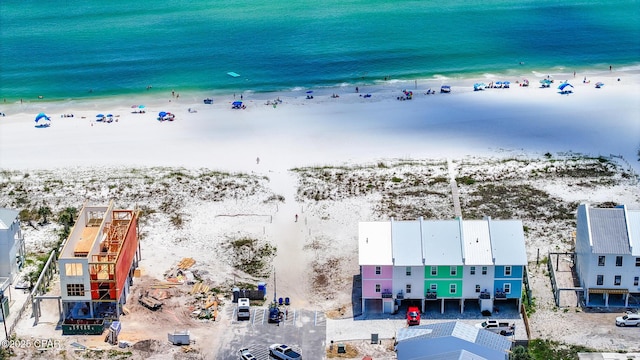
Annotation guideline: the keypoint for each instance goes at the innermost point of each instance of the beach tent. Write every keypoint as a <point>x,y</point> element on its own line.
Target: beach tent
<point>565,88</point>
<point>42,120</point>
<point>545,83</point>
<point>236,105</point>
<point>506,84</point>
<point>479,86</point>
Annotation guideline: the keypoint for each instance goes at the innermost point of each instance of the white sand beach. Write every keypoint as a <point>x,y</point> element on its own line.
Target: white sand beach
<point>267,141</point>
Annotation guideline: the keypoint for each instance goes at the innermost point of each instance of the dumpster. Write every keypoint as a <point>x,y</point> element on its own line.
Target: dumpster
<point>179,337</point>
<point>83,327</point>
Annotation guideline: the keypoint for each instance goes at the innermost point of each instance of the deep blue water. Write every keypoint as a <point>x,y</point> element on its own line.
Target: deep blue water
<point>67,49</point>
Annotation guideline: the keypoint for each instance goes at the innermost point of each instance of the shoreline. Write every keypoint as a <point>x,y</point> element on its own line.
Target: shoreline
<point>558,73</point>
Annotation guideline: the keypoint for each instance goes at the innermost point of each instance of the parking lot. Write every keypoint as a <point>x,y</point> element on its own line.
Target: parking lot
<point>303,330</point>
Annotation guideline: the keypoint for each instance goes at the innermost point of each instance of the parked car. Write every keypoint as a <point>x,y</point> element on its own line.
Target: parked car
<point>244,309</point>
<point>498,327</point>
<point>245,354</point>
<point>283,352</point>
<point>628,320</point>
<point>413,316</point>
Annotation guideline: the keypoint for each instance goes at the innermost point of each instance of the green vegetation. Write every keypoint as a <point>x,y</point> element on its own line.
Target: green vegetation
<point>251,256</point>
<point>548,349</point>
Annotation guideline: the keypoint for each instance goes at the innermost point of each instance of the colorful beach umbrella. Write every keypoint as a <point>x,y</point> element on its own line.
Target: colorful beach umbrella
<point>563,86</point>
<point>140,106</point>
<point>41,116</point>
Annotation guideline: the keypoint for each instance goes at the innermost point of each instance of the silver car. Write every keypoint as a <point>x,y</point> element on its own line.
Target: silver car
<point>245,354</point>
<point>628,320</point>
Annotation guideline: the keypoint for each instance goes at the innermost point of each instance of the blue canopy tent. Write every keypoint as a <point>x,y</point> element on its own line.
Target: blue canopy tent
<point>236,105</point>
<point>42,120</point>
<point>545,83</point>
<point>565,88</point>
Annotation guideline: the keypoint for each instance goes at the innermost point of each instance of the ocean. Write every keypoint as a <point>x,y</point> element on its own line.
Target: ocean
<point>87,48</point>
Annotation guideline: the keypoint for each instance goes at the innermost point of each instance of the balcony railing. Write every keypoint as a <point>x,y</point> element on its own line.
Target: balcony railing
<point>431,295</point>
<point>387,294</point>
<point>485,295</point>
<point>500,294</point>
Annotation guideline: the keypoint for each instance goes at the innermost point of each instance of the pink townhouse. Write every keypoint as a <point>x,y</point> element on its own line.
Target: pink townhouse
<point>376,264</point>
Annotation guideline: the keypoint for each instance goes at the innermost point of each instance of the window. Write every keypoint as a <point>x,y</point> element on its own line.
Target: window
<point>408,289</point>
<point>452,288</point>
<point>618,260</point>
<point>507,288</point>
<point>75,289</point>
<point>473,270</point>
<point>507,271</point>
<point>484,270</point>
<point>477,288</point>
<point>635,281</point>
<point>638,262</point>
<point>73,269</point>
<point>617,280</point>
<point>600,260</point>
<point>600,280</point>
<point>408,271</point>
<point>434,287</point>
<point>378,270</point>
<point>434,270</point>
<point>377,288</point>
<point>454,270</point>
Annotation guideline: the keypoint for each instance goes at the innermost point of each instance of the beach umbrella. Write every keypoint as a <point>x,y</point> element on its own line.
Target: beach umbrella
<point>134,106</point>
<point>237,103</point>
<point>599,84</point>
<point>140,106</point>
<point>109,115</point>
<point>506,82</point>
<point>563,86</point>
<point>41,116</point>
<point>310,92</point>
<point>100,115</point>
<point>162,114</point>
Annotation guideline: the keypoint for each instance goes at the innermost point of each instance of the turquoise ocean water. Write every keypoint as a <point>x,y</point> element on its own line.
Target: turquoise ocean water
<point>64,49</point>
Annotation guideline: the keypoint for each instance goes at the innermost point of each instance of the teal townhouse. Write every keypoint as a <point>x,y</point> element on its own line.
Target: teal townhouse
<point>441,263</point>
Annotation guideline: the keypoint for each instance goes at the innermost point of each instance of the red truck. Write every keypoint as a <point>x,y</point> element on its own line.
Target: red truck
<point>413,316</point>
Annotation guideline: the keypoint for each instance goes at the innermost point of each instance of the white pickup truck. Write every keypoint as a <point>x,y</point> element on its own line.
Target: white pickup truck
<point>498,327</point>
<point>283,352</point>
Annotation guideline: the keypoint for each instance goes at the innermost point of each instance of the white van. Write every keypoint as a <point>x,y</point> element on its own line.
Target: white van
<point>244,309</point>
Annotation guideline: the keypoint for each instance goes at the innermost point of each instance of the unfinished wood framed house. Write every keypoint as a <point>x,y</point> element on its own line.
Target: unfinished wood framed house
<point>96,265</point>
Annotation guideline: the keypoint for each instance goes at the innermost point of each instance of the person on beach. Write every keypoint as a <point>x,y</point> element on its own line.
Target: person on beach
<point>296,217</point>
<point>257,161</point>
<point>357,90</point>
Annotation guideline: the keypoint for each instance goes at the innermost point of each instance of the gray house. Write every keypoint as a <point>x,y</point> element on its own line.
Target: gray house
<point>451,340</point>
<point>12,250</point>
<point>608,255</point>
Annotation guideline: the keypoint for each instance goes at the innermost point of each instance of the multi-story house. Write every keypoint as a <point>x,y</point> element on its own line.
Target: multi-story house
<point>608,255</point>
<point>12,248</point>
<point>443,262</point>
<point>97,264</point>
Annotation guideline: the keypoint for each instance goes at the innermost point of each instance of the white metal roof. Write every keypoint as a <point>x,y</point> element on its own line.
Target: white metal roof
<point>476,242</point>
<point>441,242</point>
<point>634,231</point>
<point>374,243</point>
<point>7,217</point>
<point>406,243</point>
<point>507,241</point>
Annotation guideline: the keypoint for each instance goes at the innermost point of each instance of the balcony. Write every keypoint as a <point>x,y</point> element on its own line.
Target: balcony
<point>431,295</point>
<point>387,294</point>
<point>500,294</point>
<point>400,295</point>
<point>485,295</point>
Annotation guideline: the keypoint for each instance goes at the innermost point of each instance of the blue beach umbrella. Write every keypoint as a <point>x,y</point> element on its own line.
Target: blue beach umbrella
<point>100,115</point>
<point>42,116</point>
<point>310,92</point>
<point>162,114</point>
<point>109,115</point>
<point>563,86</point>
<point>140,106</point>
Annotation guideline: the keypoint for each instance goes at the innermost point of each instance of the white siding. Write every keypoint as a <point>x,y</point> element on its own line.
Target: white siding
<point>400,281</point>
<point>469,281</point>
